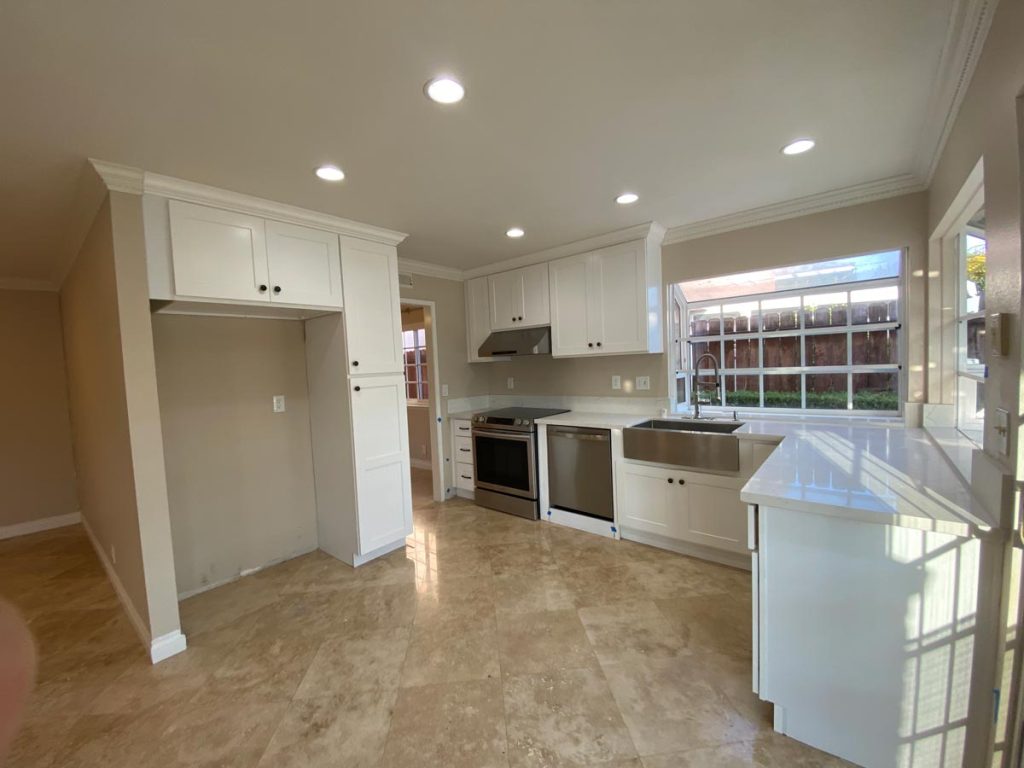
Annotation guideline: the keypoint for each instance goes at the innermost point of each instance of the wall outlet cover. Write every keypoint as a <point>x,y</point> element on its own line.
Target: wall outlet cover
<point>643,382</point>
<point>279,405</point>
<point>511,383</point>
<point>444,390</point>
<point>616,382</point>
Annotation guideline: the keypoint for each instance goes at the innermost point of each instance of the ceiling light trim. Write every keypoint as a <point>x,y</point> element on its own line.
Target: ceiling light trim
<point>790,209</point>
<point>969,24</point>
<point>651,229</point>
<point>121,178</point>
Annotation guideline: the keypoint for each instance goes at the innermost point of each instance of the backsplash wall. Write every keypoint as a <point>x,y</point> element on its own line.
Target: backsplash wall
<point>579,376</point>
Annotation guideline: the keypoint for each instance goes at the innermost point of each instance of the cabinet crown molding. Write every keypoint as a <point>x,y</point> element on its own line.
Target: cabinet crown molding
<point>123,178</point>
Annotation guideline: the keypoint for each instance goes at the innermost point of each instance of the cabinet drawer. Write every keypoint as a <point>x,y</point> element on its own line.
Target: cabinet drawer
<point>464,448</point>
<point>464,476</point>
<point>461,427</point>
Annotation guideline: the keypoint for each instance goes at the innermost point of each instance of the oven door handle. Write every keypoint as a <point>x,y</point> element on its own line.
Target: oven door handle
<point>525,437</point>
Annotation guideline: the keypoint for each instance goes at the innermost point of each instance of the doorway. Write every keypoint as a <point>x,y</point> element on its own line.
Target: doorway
<point>426,449</point>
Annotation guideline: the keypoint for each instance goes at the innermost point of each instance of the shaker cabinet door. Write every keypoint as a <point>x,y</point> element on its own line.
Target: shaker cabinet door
<point>304,265</point>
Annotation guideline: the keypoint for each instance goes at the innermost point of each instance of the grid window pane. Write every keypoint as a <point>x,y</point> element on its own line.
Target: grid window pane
<point>875,348</point>
<point>743,391</point>
<point>975,272</point>
<point>827,391</point>
<point>740,318</point>
<point>781,352</point>
<point>970,405</point>
<point>825,310</point>
<point>705,321</point>
<point>410,391</point>
<point>699,348</point>
<point>782,391</point>
<point>741,353</point>
<point>825,349</point>
<point>974,341</point>
<point>875,305</point>
<point>876,392</point>
<point>780,314</point>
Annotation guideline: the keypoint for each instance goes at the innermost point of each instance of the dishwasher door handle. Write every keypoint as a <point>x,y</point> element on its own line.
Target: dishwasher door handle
<point>580,436</point>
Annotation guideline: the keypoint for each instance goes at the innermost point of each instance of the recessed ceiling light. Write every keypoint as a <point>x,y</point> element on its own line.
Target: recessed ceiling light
<point>627,198</point>
<point>516,232</point>
<point>330,173</point>
<point>444,90</point>
<point>798,147</point>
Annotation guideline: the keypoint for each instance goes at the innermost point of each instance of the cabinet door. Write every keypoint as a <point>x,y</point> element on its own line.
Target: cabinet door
<point>619,292</point>
<point>303,265</point>
<point>373,320</point>
<point>649,502</point>
<point>381,440</point>
<point>570,311</point>
<point>478,318</point>
<point>218,254</point>
<point>717,518</point>
<point>536,299</point>
<point>506,299</point>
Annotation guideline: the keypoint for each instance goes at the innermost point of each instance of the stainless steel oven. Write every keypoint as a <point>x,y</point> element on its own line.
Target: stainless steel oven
<point>505,460</point>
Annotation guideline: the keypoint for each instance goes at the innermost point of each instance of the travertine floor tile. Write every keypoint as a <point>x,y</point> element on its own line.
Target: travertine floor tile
<point>769,750</point>
<point>371,661</point>
<point>545,641</point>
<point>624,631</point>
<point>712,623</point>
<point>450,650</point>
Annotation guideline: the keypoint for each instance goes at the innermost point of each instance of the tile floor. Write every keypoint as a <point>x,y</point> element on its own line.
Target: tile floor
<point>488,641</point>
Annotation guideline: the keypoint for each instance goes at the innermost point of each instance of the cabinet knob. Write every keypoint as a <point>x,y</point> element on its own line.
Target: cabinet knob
<point>599,343</point>
<point>520,318</point>
<point>513,319</point>
<point>355,363</point>
<point>358,388</point>
<point>263,289</point>
<point>590,344</point>
<point>682,481</point>
<point>671,480</point>
<point>277,289</point>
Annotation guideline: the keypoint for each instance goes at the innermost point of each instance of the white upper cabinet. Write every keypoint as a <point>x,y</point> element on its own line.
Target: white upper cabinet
<point>478,319</point>
<point>519,298</point>
<point>303,265</point>
<point>218,254</point>
<point>606,302</point>
<point>373,320</point>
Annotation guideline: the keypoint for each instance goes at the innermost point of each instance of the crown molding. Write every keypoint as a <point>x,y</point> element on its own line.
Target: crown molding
<point>802,206</point>
<point>24,284</point>
<point>651,229</point>
<point>120,178</point>
<point>969,23</point>
<point>426,269</point>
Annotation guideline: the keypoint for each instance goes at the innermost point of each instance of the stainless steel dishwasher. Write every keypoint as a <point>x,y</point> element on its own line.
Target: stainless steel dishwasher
<point>580,471</point>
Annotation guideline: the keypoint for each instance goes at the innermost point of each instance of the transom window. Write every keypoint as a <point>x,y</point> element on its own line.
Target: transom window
<point>414,343</point>
<point>816,337</point>
<point>970,357</point>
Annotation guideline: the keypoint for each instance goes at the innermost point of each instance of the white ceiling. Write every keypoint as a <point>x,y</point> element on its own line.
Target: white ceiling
<point>568,103</point>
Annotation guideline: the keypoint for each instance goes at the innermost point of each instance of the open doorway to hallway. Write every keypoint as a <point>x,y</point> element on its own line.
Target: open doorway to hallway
<point>420,358</point>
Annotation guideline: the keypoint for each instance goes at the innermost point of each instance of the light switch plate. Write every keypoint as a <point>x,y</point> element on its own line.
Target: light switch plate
<point>444,390</point>
<point>643,382</point>
<point>616,382</point>
<point>279,404</point>
<point>511,383</point>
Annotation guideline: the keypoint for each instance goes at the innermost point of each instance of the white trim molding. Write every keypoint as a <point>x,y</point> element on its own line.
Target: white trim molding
<point>426,269</point>
<point>969,23</point>
<point>801,206</point>
<point>122,178</point>
<point>37,526</point>
<point>166,646</point>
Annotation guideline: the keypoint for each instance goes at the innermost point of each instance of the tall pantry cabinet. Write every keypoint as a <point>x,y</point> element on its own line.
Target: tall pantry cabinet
<point>358,410</point>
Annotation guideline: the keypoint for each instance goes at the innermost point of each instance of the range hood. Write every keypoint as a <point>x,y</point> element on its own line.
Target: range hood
<point>528,341</point>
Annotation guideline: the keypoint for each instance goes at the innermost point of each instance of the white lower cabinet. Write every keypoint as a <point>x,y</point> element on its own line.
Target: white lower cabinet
<point>462,450</point>
<point>686,506</point>
<point>380,434</point>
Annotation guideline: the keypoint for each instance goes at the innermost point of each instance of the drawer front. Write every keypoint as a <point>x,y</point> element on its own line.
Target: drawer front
<point>462,428</point>
<point>464,449</point>
<point>464,476</point>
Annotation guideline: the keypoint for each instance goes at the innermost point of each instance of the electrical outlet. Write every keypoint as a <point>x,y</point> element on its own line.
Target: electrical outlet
<point>278,403</point>
<point>616,382</point>
<point>511,383</point>
<point>444,390</point>
<point>643,382</point>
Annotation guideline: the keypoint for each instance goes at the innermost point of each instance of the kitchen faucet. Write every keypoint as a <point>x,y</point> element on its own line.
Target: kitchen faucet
<point>696,383</point>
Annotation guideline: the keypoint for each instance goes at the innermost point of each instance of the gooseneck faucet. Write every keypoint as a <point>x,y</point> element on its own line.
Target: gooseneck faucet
<point>697,402</point>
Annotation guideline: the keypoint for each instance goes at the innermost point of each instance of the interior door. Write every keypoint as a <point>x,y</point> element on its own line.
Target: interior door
<point>218,254</point>
<point>619,292</point>
<point>373,321</point>
<point>304,265</point>
<point>506,294</point>
<point>570,315</point>
<point>381,436</point>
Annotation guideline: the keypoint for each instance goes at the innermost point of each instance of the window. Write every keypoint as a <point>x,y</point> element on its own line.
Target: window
<point>819,337</point>
<point>970,324</point>
<point>414,342</point>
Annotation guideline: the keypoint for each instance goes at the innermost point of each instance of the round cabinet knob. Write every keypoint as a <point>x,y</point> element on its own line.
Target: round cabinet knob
<point>671,480</point>
<point>263,289</point>
<point>681,481</point>
<point>358,388</point>
<point>355,363</point>
<point>590,344</point>
<point>520,318</point>
<point>599,343</point>
<point>277,289</point>
<point>513,319</point>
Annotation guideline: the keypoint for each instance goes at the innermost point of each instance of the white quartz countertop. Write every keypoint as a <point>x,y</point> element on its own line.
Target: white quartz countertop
<point>888,475</point>
<point>595,420</point>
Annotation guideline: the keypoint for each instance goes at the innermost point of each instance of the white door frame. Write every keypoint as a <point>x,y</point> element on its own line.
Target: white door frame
<point>437,461</point>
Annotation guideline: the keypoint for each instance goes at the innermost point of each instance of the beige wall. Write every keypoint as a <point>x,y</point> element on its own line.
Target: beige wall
<point>589,376</point>
<point>114,411</point>
<point>988,127</point>
<point>239,476</point>
<point>37,471</point>
<point>419,433</point>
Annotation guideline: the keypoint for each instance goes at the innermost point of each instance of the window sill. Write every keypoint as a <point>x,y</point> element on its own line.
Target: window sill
<point>799,417</point>
<point>418,403</point>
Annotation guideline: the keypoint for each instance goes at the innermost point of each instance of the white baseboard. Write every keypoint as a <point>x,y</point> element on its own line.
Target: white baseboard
<point>358,560</point>
<point>733,559</point>
<point>166,646</point>
<point>141,627</point>
<point>421,463</point>
<point>36,526</point>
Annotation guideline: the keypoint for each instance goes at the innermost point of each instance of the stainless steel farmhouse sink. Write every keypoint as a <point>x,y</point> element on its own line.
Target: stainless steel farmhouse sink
<point>695,443</point>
